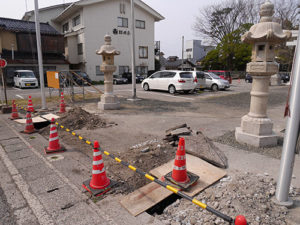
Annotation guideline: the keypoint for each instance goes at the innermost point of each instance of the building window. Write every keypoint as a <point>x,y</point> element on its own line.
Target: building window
<point>142,70</point>
<point>123,69</point>
<point>122,22</point>
<point>76,20</point>
<point>98,72</point>
<point>65,27</point>
<point>80,49</point>
<point>122,8</point>
<point>143,52</point>
<point>189,49</point>
<point>140,24</point>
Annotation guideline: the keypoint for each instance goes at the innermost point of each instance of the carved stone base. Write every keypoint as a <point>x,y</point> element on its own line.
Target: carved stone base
<point>255,140</point>
<point>109,102</point>
<point>256,126</point>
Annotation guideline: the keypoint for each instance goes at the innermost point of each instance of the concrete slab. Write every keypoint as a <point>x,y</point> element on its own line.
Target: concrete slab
<point>13,196</point>
<point>46,183</point>
<point>10,141</point>
<point>25,216</point>
<point>54,201</point>
<point>80,213</point>
<point>16,147</point>
<point>35,172</point>
<point>26,162</point>
<point>20,154</point>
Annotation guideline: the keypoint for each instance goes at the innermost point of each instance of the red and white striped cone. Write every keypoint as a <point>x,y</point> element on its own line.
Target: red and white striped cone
<point>29,128</point>
<point>179,173</point>
<point>54,145</point>
<point>30,105</point>
<point>99,184</point>
<point>62,106</point>
<point>14,114</point>
<point>179,176</point>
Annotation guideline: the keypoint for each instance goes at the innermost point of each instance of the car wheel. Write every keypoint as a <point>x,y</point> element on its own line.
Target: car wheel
<point>214,87</point>
<point>146,87</point>
<point>172,89</point>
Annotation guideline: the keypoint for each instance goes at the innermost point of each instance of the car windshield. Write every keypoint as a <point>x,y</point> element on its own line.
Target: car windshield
<point>186,75</point>
<point>214,76</point>
<point>27,75</point>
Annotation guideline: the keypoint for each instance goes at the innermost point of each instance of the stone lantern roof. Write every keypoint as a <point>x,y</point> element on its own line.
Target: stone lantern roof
<point>266,30</point>
<point>107,48</point>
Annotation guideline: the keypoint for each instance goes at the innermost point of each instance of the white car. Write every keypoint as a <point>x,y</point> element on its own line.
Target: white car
<point>215,83</point>
<point>171,81</point>
<point>199,77</point>
<point>25,78</point>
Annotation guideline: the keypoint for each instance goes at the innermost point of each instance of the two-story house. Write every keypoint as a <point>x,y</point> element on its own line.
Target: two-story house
<point>86,22</point>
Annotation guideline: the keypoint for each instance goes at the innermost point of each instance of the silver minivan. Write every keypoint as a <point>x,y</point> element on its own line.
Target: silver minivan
<point>25,78</point>
<point>215,83</point>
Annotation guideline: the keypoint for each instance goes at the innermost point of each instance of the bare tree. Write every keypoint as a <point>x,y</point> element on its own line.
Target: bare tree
<point>287,12</point>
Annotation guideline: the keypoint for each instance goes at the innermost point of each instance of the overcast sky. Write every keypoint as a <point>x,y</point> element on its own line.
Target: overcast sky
<point>180,17</point>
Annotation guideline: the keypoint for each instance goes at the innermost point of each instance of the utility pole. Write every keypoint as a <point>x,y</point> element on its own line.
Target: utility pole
<point>39,51</point>
<point>291,136</point>
<point>133,51</point>
<point>182,53</point>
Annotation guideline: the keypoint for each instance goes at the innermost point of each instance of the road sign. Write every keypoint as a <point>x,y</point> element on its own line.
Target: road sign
<point>3,63</point>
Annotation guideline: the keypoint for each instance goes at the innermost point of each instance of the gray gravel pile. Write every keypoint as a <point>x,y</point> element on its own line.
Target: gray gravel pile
<point>246,194</point>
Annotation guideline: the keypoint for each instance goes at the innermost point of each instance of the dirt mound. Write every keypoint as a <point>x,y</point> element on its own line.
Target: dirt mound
<point>144,157</point>
<point>77,118</point>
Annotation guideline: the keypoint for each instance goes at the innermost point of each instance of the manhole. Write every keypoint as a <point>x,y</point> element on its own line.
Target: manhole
<point>160,207</point>
<point>53,158</point>
<point>41,125</point>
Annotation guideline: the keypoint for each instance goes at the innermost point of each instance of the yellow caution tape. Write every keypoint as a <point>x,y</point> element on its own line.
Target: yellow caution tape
<point>132,167</point>
<point>170,188</point>
<point>80,137</point>
<point>118,160</point>
<point>202,205</point>
<point>149,177</point>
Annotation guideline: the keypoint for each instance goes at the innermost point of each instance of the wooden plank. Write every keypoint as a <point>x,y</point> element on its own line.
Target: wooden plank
<point>208,173</point>
<point>151,194</point>
<point>49,116</point>
<point>144,198</point>
<point>36,119</point>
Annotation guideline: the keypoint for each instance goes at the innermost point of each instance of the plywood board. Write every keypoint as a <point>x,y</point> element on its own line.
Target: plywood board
<point>208,173</point>
<point>144,198</point>
<point>36,119</point>
<point>49,116</point>
<point>151,194</point>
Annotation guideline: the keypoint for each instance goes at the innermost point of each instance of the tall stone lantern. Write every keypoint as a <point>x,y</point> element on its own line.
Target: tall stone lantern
<point>256,127</point>
<point>108,52</point>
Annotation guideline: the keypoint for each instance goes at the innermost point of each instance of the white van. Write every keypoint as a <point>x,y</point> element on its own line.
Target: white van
<point>199,76</point>
<point>25,78</point>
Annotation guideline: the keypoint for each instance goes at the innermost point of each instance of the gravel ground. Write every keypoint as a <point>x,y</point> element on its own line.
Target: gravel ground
<point>243,194</point>
<point>229,139</point>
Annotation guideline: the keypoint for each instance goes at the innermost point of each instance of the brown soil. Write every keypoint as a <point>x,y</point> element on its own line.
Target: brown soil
<point>77,118</point>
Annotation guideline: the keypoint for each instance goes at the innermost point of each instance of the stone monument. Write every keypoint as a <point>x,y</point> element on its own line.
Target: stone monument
<point>108,99</point>
<point>256,127</point>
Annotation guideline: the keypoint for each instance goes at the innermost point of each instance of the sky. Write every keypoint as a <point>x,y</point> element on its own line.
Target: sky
<point>179,16</point>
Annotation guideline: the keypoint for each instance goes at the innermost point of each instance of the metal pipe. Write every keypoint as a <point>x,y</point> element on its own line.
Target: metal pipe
<point>291,135</point>
<point>39,51</point>
<point>133,51</point>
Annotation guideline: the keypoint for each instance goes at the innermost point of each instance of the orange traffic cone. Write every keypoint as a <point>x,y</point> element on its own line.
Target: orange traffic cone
<point>99,184</point>
<point>179,173</point>
<point>29,128</point>
<point>30,105</point>
<point>54,145</point>
<point>62,106</point>
<point>14,114</point>
<point>180,177</point>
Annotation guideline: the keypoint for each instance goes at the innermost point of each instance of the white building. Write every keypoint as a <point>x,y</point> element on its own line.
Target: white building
<point>195,51</point>
<point>86,22</point>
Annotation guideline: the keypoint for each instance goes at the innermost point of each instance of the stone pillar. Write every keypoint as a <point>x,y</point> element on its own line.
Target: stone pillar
<point>108,100</point>
<point>256,127</point>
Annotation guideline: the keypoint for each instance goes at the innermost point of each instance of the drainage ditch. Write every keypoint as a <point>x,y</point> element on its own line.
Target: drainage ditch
<point>160,207</point>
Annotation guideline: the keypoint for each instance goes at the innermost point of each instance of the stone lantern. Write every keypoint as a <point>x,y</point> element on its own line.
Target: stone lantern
<point>256,127</point>
<point>108,52</point>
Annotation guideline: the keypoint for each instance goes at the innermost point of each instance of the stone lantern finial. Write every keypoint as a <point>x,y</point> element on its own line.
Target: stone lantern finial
<point>266,12</point>
<point>107,48</point>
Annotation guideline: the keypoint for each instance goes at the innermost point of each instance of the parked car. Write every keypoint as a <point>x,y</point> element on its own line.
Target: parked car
<point>224,74</point>
<point>285,77</point>
<point>25,78</point>
<point>128,76</point>
<point>117,79</point>
<point>199,79</point>
<point>171,81</point>
<point>81,78</point>
<point>248,78</point>
<point>215,83</point>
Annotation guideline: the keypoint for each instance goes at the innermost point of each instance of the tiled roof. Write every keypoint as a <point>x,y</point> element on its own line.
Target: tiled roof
<point>25,26</point>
